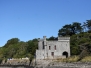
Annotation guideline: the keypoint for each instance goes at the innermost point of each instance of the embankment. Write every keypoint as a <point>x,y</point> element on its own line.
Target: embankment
<point>15,66</point>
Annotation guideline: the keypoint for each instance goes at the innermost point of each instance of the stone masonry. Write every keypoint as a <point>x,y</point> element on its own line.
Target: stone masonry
<point>53,49</point>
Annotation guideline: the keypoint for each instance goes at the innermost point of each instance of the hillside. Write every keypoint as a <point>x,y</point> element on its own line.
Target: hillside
<point>80,34</point>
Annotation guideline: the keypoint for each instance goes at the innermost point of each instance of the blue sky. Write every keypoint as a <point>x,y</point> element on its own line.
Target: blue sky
<point>29,19</point>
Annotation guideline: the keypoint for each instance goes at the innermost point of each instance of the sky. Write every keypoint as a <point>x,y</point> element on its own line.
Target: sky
<point>29,19</point>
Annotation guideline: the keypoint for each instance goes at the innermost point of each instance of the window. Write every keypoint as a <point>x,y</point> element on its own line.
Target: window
<point>52,53</point>
<point>55,47</point>
<point>49,47</point>
<point>43,45</point>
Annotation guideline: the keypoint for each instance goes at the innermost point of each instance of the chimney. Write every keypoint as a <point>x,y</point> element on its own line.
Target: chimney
<point>44,37</point>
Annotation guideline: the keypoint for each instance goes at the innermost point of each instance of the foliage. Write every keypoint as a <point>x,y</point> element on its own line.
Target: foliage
<point>70,29</point>
<point>32,46</point>
<point>52,38</point>
<point>14,48</point>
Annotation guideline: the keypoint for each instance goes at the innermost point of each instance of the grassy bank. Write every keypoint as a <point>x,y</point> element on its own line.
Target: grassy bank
<point>74,59</point>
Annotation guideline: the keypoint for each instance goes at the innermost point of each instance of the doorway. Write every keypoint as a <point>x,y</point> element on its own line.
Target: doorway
<point>65,54</point>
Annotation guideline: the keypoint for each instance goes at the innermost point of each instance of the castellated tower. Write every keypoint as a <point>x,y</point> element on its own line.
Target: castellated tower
<point>53,49</point>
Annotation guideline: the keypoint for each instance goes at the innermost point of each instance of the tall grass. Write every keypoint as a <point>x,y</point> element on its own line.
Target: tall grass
<point>74,59</point>
<point>86,59</point>
<point>69,59</point>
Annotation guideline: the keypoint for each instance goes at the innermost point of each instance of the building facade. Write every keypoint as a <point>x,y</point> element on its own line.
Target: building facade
<point>53,49</point>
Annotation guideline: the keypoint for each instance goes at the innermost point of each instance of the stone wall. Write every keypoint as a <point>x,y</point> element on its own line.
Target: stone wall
<point>50,64</point>
<point>53,49</point>
<point>15,66</point>
<point>69,65</point>
<point>14,61</point>
<point>66,65</point>
<point>53,64</point>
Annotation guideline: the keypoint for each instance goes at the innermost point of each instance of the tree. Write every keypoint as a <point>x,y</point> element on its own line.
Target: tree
<point>11,41</point>
<point>52,38</point>
<point>70,29</point>
<point>66,30</point>
<point>88,22</point>
<point>32,46</point>
<point>76,28</point>
<point>22,49</point>
<point>85,50</point>
<point>84,26</point>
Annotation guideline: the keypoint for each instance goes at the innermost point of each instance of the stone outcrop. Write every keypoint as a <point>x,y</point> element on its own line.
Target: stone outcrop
<point>53,64</point>
<point>14,61</point>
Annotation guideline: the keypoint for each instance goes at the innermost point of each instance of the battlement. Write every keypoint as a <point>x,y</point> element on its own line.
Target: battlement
<point>44,39</point>
<point>59,38</point>
<point>63,38</point>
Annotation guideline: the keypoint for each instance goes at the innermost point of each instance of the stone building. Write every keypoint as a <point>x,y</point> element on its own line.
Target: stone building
<point>53,49</point>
